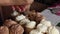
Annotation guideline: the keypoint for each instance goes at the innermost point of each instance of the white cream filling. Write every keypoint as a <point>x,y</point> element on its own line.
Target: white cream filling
<point>15,13</point>
<point>35,32</point>
<point>31,24</point>
<point>18,18</point>
<point>24,21</point>
<point>43,19</point>
<point>47,23</point>
<point>42,28</point>
<point>53,30</point>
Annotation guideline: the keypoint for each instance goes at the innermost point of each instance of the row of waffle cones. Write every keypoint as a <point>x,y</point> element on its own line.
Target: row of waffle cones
<point>30,22</point>
<point>11,27</point>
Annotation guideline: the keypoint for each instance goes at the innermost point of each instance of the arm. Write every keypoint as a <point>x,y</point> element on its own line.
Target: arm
<point>10,2</point>
<point>5,2</point>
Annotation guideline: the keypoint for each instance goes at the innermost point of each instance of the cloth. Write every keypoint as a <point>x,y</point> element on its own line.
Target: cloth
<point>55,19</point>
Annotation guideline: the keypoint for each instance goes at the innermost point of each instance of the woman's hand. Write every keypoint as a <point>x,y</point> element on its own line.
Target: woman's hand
<point>15,2</point>
<point>6,2</point>
<point>11,2</point>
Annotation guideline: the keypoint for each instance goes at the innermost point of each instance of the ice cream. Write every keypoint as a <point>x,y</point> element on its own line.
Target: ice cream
<point>53,30</point>
<point>15,13</point>
<point>24,21</point>
<point>42,28</point>
<point>35,32</point>
<point>31,15</point>
<point>32,24</point>
<point>20,17</point>
<point>47,23</point>
<point>39,17</point>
